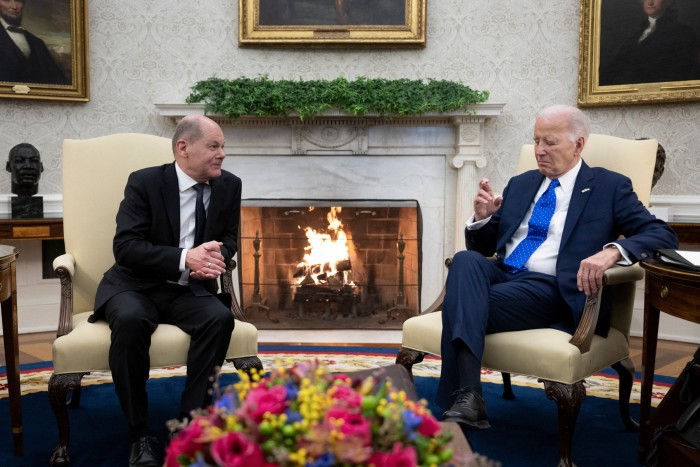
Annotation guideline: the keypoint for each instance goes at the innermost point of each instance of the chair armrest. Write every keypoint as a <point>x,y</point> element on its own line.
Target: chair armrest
<point>227,286</point>
<point>64,267</point>
<point>586,328</point>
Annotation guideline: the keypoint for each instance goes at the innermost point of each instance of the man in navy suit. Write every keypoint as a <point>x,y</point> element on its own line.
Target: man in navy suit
<point>594,207</point>
<point>163,274</point>
<point>24,58</point>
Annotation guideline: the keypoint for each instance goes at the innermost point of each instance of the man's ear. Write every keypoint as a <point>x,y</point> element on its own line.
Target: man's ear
<point>8,167</point>
<point>41,166</point>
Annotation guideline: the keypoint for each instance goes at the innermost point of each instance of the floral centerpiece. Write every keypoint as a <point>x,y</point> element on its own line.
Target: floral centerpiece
<point>304,415</point>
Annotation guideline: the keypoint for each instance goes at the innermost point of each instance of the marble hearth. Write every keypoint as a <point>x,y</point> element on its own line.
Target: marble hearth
<point>432,159</point>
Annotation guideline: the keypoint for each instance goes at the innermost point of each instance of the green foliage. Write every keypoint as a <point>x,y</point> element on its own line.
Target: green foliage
<point>386,97</point>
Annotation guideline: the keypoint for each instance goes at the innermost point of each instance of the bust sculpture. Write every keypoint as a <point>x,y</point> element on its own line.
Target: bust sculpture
<point>24,163</point>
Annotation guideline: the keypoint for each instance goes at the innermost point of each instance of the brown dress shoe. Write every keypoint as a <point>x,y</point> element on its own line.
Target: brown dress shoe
<point>469,410</point>
<point>143,452</point>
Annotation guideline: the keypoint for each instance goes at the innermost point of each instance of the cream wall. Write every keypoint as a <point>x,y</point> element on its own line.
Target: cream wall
<point>524,53</point>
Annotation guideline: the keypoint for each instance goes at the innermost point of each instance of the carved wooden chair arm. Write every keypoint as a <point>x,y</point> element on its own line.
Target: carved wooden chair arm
<point>64,267</point>
<point>584,332</point>
<point>227,287</point>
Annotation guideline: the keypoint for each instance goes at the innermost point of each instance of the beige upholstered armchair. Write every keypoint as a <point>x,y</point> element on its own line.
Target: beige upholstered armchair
<point>94,176</point>
<point>559,360</point>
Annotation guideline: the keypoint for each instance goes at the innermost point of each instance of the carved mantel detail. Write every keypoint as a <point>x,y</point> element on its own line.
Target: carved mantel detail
<point>458,136</point>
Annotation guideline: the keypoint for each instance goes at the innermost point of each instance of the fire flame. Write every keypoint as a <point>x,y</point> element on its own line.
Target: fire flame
<point>325,251</point>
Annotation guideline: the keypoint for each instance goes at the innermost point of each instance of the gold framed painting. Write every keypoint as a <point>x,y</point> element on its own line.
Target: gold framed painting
<point>44,50</point>
<point>331,23</point>
<point>639,52</point>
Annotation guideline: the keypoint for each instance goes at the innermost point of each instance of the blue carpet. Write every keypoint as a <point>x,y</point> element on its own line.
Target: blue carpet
<point>523,433</point>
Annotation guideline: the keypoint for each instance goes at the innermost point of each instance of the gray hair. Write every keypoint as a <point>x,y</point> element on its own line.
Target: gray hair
<point>189,128</point>
<point>579,125</point>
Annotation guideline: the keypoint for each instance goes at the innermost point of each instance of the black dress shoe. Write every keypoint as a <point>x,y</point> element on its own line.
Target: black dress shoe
<point>469,410</point>
<point>143,452</point>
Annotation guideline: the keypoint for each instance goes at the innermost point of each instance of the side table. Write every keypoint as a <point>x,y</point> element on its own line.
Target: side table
<point>8,305</point>
<point>676,292</point>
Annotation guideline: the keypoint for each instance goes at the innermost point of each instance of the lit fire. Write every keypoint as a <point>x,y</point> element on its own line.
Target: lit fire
<point>326,260</point>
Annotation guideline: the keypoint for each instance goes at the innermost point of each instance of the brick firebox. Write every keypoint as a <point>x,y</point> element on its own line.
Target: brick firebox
<point>382,273</point>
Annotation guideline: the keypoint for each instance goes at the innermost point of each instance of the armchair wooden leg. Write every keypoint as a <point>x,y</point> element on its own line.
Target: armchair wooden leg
<point>625,368</point>
<point>568,398</point>
<point>507,387</point>
<point>59,387</point>
<point>409,357</point>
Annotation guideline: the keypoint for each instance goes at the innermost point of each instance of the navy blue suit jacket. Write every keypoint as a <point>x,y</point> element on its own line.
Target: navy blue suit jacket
<point>603,207</point>
<point>146,244</point>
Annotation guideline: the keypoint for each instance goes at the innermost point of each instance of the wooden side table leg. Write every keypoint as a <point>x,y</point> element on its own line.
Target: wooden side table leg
<point>9,329</point>
<point>649,341</point>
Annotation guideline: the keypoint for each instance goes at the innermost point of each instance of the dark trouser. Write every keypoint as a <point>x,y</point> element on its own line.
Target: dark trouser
<point>482,299</point>
<point>133,316</point>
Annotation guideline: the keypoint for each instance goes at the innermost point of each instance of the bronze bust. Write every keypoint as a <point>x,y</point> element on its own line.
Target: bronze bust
<point>24,163</point>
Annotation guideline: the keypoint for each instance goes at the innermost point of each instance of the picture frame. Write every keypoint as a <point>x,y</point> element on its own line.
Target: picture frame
<point>616,68</point>
<point>332,23</point>
<point>56,33</point>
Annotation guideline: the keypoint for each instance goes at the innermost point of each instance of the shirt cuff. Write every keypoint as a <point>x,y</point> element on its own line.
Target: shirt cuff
<point>183,257</point>
<point>476,225</point>
<point>625,261</point>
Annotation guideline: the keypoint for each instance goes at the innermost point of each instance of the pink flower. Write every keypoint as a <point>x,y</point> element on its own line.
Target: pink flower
<point>186,443</point>
<point>398,457</point>
<point>263,400</point>
<point>429,426</point>
<point>345,394</point>
<point>354,424</point>
<point>234,450</point>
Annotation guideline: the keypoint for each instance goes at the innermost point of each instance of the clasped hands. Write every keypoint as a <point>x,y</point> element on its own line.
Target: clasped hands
<point>206,261</point>
<point>589,278</point>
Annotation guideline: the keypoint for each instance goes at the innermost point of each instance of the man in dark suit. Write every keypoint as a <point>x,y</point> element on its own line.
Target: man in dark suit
<point>24,58</point>
<point>164,273</point>
<point>547,287</point>
<point>661,49</point>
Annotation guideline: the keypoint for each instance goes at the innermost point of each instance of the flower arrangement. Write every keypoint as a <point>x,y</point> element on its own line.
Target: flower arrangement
<point>305,416</point>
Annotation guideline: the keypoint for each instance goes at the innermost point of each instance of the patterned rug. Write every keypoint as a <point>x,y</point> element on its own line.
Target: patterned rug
<point>34,377</point>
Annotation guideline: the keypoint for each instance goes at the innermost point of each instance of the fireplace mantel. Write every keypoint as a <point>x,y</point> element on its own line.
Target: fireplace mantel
<point>458,136</point>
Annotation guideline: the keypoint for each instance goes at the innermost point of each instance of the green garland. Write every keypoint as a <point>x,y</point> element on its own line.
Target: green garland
<point>264,97</point>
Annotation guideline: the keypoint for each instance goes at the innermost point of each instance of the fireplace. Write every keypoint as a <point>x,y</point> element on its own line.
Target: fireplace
<point>314,264</point>
<point>434,159</point>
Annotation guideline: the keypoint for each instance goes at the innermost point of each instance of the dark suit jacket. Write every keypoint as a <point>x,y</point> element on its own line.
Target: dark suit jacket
<point>603,206</point>
<point>148,229</point>
<point>40,67</point>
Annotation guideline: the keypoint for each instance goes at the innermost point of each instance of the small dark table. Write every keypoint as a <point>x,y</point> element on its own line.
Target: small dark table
<point>8,305</point>
<point>676,292</point>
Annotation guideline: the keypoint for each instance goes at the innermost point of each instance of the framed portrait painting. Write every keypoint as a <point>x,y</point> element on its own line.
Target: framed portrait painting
<point>44,50</point>
<point>639,52</point>
<point>331,23</point>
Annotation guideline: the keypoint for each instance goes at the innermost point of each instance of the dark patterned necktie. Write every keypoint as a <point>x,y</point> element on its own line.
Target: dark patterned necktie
<point>15,29</point>
<point>200,215</point>
<point>537,228</point>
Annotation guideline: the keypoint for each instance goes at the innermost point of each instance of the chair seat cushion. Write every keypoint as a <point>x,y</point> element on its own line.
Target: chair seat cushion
<point>542,353</point>
<point>86,347</point>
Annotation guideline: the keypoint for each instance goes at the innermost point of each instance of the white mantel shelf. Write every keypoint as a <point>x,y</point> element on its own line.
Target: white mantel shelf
<point>477,111</point>
<point>456,135</point>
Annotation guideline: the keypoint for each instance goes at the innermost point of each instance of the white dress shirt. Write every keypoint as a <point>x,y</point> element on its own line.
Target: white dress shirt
<point>188,199</point>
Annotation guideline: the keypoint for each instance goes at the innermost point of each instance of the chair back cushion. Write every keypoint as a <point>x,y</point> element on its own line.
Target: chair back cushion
<point>633,158</point>
<point>94,175</point>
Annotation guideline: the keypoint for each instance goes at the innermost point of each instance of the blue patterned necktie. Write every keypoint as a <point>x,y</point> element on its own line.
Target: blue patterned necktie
<point>537,228</point>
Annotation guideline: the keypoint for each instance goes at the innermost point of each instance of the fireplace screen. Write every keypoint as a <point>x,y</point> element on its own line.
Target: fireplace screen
<point>310,264</point>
